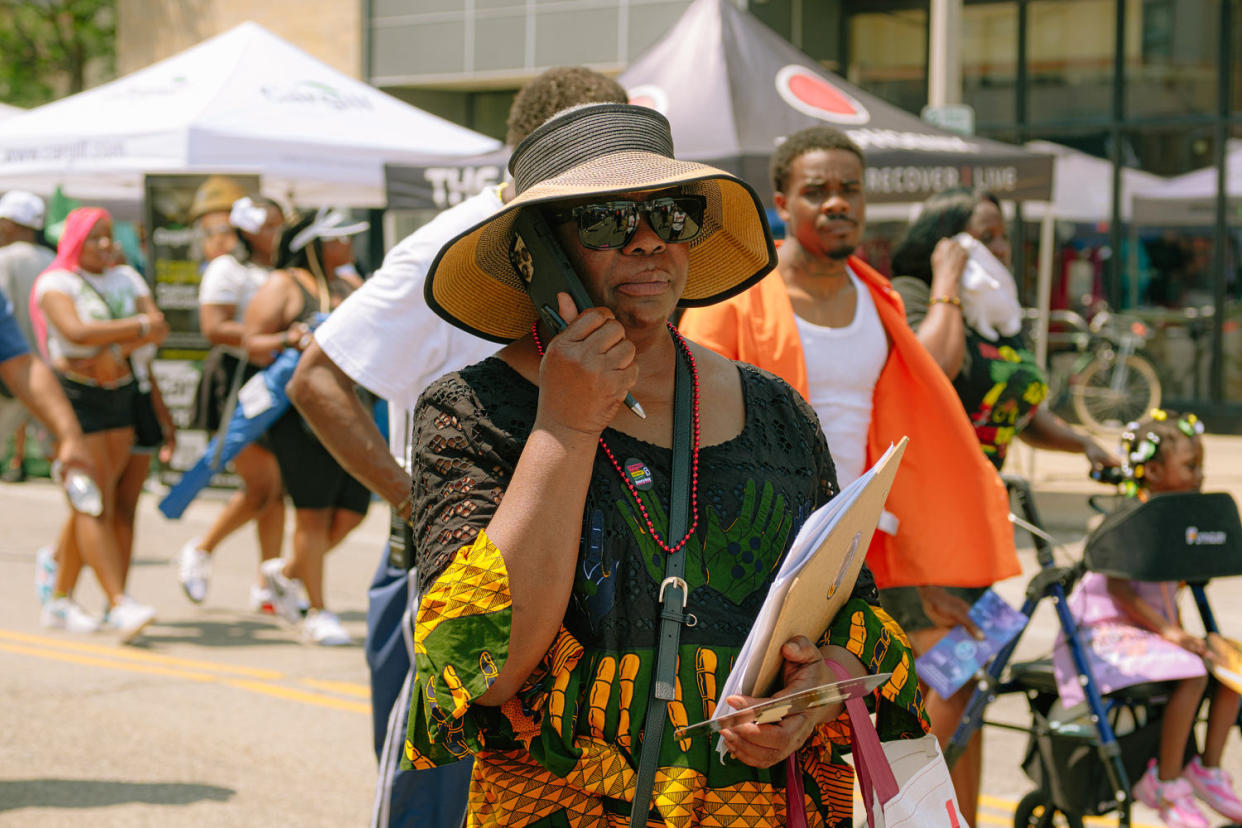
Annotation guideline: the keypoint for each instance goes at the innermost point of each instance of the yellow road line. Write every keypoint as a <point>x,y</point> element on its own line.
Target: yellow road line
<point>262,687</point>
<point>345,688</point>
<point>128,654</point>
<point>100,662</point>
<point>299,695</point>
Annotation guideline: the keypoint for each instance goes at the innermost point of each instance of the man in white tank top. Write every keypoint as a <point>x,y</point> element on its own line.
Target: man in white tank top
<point>842,342</point>
<point>822,204</point>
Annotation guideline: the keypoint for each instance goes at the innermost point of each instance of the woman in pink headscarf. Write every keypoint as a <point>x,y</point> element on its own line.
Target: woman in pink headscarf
<point>96,314</point>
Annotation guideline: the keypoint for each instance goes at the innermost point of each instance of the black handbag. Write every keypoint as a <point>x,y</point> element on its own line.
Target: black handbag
<point>148,433</point>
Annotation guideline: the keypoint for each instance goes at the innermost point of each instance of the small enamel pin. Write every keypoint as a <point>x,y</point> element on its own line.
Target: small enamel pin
<point>638,474</point>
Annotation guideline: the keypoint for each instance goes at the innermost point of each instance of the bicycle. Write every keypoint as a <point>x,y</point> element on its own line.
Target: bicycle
<point>1109,381</point>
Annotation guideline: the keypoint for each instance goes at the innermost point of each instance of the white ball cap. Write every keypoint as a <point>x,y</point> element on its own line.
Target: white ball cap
<point>21,207</point>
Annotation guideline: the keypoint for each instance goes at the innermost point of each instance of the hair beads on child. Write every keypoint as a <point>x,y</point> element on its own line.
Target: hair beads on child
<point>1140,444</point>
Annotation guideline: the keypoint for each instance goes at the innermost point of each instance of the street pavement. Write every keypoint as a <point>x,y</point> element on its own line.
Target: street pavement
<point>221,717</point>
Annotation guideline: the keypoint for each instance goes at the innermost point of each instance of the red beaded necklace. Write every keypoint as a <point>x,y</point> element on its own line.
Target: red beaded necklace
<point>694,466</point>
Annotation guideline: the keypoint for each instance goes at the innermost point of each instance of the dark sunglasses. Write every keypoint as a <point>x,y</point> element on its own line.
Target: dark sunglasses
<point>607,225</point>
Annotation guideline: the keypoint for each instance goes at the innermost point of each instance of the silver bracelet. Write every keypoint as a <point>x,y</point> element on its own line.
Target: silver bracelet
<point>144,325</point>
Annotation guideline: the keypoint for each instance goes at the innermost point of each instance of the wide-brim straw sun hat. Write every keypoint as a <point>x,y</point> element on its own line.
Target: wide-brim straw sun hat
<point>598,150</point>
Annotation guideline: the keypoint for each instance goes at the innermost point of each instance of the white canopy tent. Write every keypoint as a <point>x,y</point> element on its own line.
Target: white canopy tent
<point>1189,200</point>
<point>243,101</point>
<point>7,111</point>
<point>1082,185</point>
<point>1082,191</point>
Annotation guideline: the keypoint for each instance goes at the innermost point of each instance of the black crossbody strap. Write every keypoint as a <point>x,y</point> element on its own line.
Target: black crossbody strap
<point>95,291</point>
<point>672,594</point>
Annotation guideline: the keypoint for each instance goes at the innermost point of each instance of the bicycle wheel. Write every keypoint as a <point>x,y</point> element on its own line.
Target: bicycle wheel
<point>1110,393</point>
<point>1034,811</point>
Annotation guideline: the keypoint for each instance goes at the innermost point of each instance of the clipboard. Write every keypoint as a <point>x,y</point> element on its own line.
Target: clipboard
<point>825,581</point>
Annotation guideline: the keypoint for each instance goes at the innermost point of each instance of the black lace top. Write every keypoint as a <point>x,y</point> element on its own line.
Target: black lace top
<point>470,427</point>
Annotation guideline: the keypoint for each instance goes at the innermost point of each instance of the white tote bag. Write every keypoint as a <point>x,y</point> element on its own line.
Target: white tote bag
<point>905,783</point>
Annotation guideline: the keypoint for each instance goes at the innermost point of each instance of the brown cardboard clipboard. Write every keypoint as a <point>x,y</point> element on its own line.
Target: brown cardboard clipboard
<point>825,581</point>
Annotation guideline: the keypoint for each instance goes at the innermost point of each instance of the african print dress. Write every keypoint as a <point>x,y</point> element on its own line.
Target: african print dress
<point>563,751</point>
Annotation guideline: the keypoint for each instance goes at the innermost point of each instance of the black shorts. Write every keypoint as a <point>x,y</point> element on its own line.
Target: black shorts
<point>100,409</point>
<point>906,607</point>
<point>312,477</point>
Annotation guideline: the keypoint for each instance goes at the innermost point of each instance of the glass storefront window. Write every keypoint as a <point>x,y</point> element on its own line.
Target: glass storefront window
<point>1176,278</point>
<point>1231,343</point>
<point>1082,253</point>
<point>1235,58</point>
<point>989,50</point>
<point>1171,57</point>
<point>1170,150</point>
<point>1070,59</point>
<point>888,56</point>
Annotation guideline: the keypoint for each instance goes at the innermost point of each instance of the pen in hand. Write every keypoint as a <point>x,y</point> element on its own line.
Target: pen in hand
<point>554,320</point>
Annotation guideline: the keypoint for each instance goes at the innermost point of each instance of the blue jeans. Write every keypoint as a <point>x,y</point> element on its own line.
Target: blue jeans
<point>434,798</point>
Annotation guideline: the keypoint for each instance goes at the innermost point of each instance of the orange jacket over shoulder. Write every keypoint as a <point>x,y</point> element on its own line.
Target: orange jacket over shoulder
<point>951,505</point>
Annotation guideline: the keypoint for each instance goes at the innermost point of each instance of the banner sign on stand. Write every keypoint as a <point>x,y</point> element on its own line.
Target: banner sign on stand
<point>175,268</point>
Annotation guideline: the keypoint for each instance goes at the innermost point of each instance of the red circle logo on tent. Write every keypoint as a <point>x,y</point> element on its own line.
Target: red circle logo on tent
<point>650,96</point>
<point>807,92</point>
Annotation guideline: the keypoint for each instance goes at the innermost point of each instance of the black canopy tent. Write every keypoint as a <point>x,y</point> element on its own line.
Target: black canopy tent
<point>733,89</point>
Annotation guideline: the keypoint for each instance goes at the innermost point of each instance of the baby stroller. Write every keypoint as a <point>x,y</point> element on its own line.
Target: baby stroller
<point>1083,760</point>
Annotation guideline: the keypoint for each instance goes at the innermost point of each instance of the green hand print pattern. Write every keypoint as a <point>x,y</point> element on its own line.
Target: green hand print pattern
<point>737,559</point>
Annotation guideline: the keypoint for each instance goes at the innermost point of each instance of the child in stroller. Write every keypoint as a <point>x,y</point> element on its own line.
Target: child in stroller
<point>1132,633</point>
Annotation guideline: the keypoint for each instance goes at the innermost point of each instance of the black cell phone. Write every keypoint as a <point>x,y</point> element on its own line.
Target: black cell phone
<point>538,258</point>
<point>541,262</point>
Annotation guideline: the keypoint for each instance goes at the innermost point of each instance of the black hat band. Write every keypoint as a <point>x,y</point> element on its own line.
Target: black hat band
<point>581,135</point>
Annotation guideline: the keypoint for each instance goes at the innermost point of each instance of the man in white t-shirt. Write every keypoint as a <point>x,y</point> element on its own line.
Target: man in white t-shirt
<point>22,259</point>
<point>385,338</point>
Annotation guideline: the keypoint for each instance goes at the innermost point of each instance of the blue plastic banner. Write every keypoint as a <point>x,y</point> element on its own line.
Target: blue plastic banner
<point>260,403</point>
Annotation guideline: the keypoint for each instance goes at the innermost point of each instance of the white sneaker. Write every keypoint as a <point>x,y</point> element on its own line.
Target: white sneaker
<point>129,618</point>
<point>45,573</point>
<point>285,590</point>
<point>261,600</point>
<point>324,628</point>
<point>64,614</point>
<point>195,571</point>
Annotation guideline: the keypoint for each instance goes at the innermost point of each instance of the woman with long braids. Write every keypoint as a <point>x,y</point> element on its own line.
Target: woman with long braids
<point>315,273</point>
